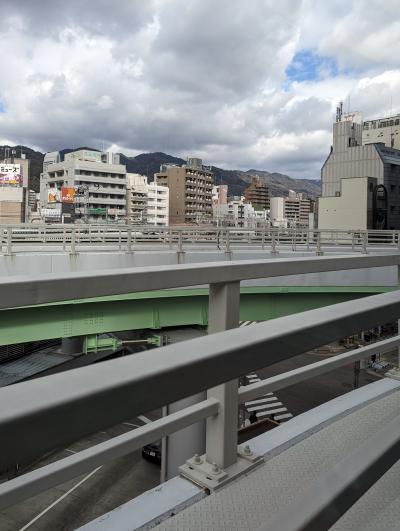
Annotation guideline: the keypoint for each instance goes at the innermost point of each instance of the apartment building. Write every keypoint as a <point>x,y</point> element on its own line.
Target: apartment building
<point>291,211</point>
<point>220,194</point>
<point>157,205</point>
<point>257,193</point>
<point>98,179</point>
<point>190,191</point>
<point>147,203</point>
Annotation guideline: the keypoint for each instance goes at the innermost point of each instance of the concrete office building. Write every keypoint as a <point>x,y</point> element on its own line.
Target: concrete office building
<point>14,176</point>
<point>257,193</point>
<point>352,209</point>
<point>190,191</point>
<point>100,178</point>
<point>350,159</point>
<point>386,130</point>
<point>147,204</point>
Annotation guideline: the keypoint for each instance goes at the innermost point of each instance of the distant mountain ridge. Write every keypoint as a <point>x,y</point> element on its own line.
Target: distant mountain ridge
<point>149,163</point>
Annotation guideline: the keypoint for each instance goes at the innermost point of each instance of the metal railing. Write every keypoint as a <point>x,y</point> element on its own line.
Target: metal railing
<point>54,411</point>
<point>71,238</point>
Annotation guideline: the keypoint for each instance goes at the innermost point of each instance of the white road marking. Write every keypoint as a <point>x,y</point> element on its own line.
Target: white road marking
<point>70,451</point>
<point>144,419</point>
<point>261,401</point>
<point>258,401</point>
<point>264,407</point>
<point>266,413</point>
<point>58,500</point>
<point>285,416</point>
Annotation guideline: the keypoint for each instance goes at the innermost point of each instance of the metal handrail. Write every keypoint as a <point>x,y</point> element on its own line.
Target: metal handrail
<point>95,397</point>
<point>24,290</point>
<point>23,236</point>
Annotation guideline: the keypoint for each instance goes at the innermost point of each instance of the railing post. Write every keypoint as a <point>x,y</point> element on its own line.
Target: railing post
<point>398,241</point>
<point>73,241</point>
<point>227,241</point>
<point>129,240</point>
<point>9,241</point>
<point>273,242</point>
<point>319,251</point>
<point>221,437</point>
<point>263,239</point>
<point>365,243</point>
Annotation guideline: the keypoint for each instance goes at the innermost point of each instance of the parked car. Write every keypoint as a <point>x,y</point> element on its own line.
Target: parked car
<point>152,452</point>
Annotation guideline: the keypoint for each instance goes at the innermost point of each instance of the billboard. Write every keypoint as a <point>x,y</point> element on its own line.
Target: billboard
<point>355,117</point>
<point>67,195</point>
<point>10,175</point>
<point>53,195</point>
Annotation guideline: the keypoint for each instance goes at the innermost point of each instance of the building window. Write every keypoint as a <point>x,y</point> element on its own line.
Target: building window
<point>392,187</point>
<point>392,207</point>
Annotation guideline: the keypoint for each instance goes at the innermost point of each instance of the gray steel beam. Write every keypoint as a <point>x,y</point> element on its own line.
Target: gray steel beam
<point>334,493</point>
<point>61,408</point>
<point>26,290</point>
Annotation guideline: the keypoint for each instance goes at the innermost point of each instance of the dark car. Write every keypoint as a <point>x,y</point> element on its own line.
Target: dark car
<point>152,452</point>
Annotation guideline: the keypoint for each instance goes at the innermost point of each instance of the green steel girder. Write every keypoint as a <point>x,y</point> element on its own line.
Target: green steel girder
<point>161,309</point>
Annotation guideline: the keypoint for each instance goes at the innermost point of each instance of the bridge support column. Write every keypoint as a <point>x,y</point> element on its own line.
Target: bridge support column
<point>72,346</point>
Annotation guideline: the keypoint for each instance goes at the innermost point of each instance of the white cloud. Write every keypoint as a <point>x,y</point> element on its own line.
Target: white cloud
<point>199,76</point>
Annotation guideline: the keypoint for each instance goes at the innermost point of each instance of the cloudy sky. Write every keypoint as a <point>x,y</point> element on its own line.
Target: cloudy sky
<point>243,84</point>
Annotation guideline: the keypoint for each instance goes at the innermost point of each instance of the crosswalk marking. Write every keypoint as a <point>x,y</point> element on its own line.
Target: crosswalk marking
<point>266,413</point>
<point>260,401</point>
<point>268,405</point>
<point>265,407</point>
<point>282,417</point>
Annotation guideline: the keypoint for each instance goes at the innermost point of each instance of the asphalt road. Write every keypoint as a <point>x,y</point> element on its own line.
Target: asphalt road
<point>315,391</point>
<point>86,497</point>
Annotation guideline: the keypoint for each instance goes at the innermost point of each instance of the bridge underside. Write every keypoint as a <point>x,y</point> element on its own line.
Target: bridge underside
<point>162,309</point>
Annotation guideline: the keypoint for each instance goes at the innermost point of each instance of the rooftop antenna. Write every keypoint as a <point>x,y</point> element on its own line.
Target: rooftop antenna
<point>339,111</point>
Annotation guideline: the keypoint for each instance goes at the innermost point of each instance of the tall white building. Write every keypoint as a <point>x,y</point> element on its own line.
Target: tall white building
<point>98,179</point>
<point>147,204</point>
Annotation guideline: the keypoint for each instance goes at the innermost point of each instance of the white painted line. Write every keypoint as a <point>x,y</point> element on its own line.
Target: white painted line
<point>260,401</point>
<point>58,500</point>
<point>259,408</point>
<point>268,394</point>
<point>285,416</point>
<point>144,419</point>
<point>273,404</point>
<point>267,413</point>
<point>256,408</point>
<point>70,451</point>
<point>131,425</point>
<point>252,376</point>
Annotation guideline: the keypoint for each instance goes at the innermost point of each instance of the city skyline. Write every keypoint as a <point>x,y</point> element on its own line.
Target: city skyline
<point>240,86</point>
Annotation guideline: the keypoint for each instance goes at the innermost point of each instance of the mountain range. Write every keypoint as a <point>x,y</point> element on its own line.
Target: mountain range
<point>149,163</point>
